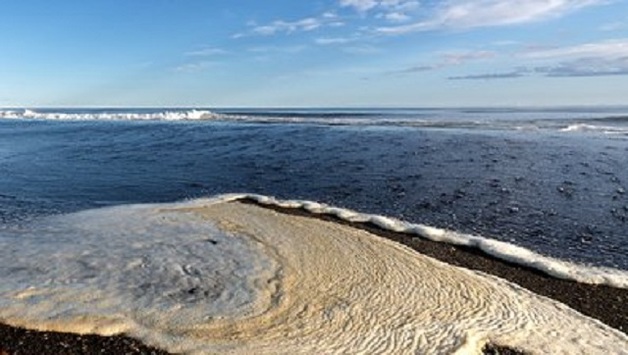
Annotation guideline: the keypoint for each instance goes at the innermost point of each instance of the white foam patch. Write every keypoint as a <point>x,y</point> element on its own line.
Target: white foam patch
<point>583,127</point>
<point>187,115</point>
<point>169,115</point>
<point>212,277</point>
<point>100,264</point>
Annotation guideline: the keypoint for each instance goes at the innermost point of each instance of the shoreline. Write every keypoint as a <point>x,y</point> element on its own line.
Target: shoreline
<point>600,302</point>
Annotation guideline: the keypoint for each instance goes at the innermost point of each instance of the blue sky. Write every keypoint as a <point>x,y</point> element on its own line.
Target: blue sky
<point>313,53</point>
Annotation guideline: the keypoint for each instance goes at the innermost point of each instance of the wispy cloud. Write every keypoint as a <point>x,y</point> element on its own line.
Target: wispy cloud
<point>584,67</point>
<point>272,53</point>
<point>612,48</point>
<point>604,58</point>
<point>333,40</point>
<point>456,58</point>
<point>206,52</point>
<point>361,49</point>
<point>587,67</point>
<point>194,67</point>
<point>490,76</point>
<point>278,49</point>
<point>359,5</point>
<point>417,69</point>
<point>327,19</point>
<point>391,10</point>
<point>366,5</point>
<point>306,24</point>
<point>395,16</point>
<point>466,14</point>
<point>448,59</point>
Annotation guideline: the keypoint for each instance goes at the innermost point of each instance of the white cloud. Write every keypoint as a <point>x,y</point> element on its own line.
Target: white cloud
<point>604,58</point>
<point>362,49</point>
<point>333,40</point>
<point>327,19</point>
<point>306,24</point>
<point>613,48</point>
<point>609,57</point>
<point>365,5</point>
<point>194,67</point>
<point>490,76</point>
<point>391,10</point>
<point>278,49</point>
<point>448,59</point>
<point>587,67</point>
<point>465,14</point>
<point>457,58</point>
<point>359,5</point>
<point>581,67</point>
<point>206,52</point>
<point>396,16</point>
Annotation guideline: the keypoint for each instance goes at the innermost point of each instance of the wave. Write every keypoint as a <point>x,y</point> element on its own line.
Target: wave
<point>493,120</point>
<point>328,118</point>
<point>168,115</point>
<point>199,115</point>
<point>587,127</point>
<point>362,118</point>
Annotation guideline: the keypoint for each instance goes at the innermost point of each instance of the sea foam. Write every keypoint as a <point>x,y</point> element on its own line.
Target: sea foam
<point>166,115</point>
<point>501,250</point>
<point>207,276</point>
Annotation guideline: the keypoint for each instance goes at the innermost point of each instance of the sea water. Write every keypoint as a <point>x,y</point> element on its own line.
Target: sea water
<point>551,180</point>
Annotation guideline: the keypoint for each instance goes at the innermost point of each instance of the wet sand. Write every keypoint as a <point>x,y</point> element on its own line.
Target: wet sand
<point>603,303</point>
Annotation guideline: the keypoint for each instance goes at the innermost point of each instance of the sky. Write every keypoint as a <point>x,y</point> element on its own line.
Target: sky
<point>329,53</point>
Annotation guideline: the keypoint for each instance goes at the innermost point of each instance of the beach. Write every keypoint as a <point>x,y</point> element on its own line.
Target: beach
<point>542,210</point>
<point>246,219</point>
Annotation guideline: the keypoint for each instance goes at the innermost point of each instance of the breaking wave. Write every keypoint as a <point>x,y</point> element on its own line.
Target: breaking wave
<point>568,122</point>
<point>168,115</point>
<point>585,127</point>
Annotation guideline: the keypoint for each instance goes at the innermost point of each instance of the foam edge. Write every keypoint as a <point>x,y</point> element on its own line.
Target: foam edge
<point>504,251</point>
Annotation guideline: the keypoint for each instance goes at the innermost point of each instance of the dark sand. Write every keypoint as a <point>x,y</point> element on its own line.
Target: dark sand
<point>604,303</point>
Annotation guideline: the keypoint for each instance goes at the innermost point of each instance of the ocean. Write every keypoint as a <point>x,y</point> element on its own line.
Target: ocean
<point>552,180</point>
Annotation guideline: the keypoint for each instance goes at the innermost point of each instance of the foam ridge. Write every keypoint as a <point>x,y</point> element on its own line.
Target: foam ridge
<point>501,250</point>
<point>167,115</point>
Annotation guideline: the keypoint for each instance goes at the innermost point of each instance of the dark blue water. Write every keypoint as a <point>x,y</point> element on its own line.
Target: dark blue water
<point>560,193</point>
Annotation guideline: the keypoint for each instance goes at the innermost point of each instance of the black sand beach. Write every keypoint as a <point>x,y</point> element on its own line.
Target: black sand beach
<point>600,302</point>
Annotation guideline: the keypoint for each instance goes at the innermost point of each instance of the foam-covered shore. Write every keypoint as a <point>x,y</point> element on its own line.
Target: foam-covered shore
<point>498,249</point>
<point>219,276</point>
